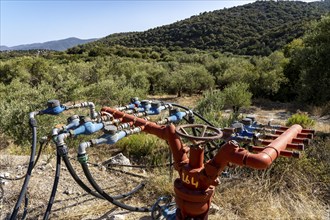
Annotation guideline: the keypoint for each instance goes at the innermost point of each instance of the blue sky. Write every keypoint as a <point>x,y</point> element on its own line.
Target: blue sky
<point>33,21</point>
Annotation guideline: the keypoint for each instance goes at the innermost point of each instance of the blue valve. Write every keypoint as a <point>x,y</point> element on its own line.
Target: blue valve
<point>87,128</point>
<point>54,108</point>
<point>164,207</point>
<point>250,124</point>
<point>176,115</point>
<point>144,106</point>
<point>155,108</point>
<point>110,138</point>
<point>134,103</point>
<point>73,123</point>
<point>241,131</point>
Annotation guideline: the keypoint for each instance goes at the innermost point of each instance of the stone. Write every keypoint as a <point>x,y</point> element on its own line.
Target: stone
<point>118,159</point>
<point>68,192</point>
<point>214,209</point>
<point>117,217</point>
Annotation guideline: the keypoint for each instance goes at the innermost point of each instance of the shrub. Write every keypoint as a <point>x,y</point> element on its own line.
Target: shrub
<point>144,148</point>
<point>213,101</point>
<point>302,119</point>
<point>237,96</point>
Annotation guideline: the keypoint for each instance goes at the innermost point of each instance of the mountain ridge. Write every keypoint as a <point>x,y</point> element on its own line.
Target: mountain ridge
<point>57,45</point>
<point>257,28</point>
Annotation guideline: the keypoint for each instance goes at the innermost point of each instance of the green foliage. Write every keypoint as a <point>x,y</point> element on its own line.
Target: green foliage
<point>259,28</point>
<point>237,95</point>
<point>190,79</point>
<point>302,119</point>
<point>18,100</point>
<point>212,101</point>
<point>269,74</point>
<point>144,148</point>
<point>309,67</point>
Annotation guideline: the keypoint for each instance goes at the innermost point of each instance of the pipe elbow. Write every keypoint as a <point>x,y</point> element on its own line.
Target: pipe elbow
<point>82,147</point>
<point>260,161</point>
<point>55,131</point>
<point>33,114</point>
<point>92,110</point>
<point>60,139</point>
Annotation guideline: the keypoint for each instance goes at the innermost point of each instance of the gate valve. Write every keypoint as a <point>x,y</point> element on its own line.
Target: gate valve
<point>54,108</point>
<point>207,133</point>
<point>194,189</point>
<point>110,129</point>
<point>111,136</point>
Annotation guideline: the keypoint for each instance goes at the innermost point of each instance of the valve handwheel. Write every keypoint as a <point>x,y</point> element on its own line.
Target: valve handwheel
<point>206,133</point>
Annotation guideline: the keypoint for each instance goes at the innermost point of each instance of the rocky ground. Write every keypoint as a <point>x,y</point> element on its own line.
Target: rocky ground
<point>71,201</point>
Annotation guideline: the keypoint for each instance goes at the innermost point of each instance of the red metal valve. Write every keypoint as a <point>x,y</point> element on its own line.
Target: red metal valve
<point>195,187</point>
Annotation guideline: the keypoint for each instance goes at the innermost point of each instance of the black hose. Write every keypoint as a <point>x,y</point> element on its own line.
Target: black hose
<point>108,197</point>
<point>195,113</point>
<point>33,125</point>
<point>88,190</point>
<point>77,179</point>
<point>26,202</point>
<point>56,180</point>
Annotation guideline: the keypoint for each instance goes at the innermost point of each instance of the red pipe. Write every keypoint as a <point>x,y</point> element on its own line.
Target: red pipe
<point>164,132</point>
<point>305,131</point>
<point>272,151</point>
<point>284,153</point>
<point>291,145</point>
<point>231,152</point>
<point>300,135</point>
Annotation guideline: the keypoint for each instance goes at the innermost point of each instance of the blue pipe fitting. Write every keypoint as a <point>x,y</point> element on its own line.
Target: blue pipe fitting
<point>155,109</point>
<point>144,106</point>
<point>73,123</point>
<point>134,103</point>
<point>87,128</point>
<point>240,130</point>
<point>54,108</point>
<point>110,138</point>
<point>176,115</point>
<point>164,207</point>
<point>107,138</point>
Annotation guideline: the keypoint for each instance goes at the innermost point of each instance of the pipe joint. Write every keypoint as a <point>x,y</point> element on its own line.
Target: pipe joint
<point>62,150</point>
<point>82,147</point>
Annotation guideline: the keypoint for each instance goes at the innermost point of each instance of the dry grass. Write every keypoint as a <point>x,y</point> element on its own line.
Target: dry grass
<point>251,199</point>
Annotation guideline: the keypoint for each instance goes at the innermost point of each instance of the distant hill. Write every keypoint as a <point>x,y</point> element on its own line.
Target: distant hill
<point>252,29</point>
<point>59,45</point>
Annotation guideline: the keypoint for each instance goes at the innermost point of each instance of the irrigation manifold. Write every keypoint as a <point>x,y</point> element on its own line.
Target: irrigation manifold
<point>245,143</point>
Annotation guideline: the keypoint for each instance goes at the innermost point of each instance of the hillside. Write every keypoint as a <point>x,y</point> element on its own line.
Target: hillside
<point>58,45</point>
<point>252,29</point>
